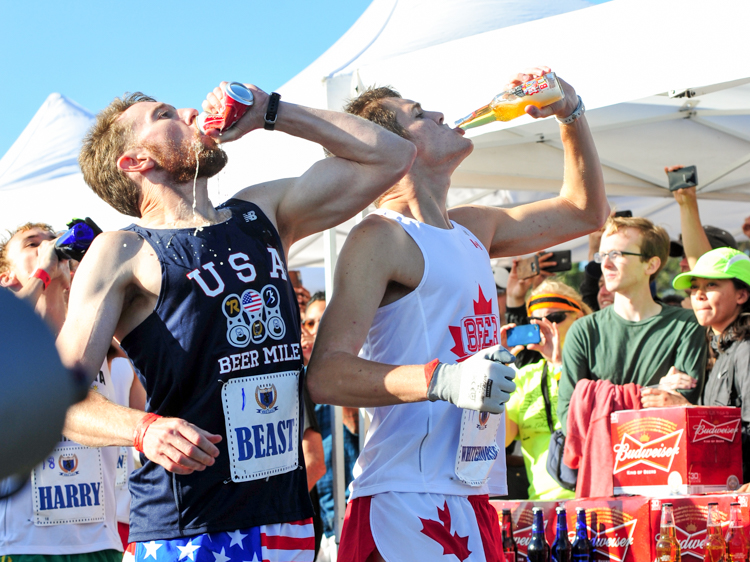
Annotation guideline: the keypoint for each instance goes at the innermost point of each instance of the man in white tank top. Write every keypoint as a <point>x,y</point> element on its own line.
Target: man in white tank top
<point>68,506</point>
<point>414,292</point>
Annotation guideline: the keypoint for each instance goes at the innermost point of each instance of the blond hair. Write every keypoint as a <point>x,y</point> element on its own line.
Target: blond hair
<point>106,141</point>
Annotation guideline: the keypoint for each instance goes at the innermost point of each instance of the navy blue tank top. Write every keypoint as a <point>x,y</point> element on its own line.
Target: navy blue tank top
<point>226,309</point>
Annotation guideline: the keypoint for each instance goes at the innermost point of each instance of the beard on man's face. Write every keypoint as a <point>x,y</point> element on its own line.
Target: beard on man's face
<point>178,160</point>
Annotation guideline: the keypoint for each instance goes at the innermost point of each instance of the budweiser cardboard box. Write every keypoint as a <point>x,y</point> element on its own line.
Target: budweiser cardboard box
<point>618,527</point>
<point>690,514</point>
<point>522,515</point>
<point>687,450</point>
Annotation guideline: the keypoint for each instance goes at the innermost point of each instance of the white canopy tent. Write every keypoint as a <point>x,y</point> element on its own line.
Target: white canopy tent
<point>622,57</point>
<point>40,180</point>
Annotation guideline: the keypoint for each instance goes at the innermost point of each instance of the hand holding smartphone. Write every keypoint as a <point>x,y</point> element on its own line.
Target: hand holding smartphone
<point>682,178</point>
<point>524,334</point>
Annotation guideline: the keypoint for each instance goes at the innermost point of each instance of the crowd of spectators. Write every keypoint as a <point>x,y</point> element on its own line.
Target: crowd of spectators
<point>610,343</point>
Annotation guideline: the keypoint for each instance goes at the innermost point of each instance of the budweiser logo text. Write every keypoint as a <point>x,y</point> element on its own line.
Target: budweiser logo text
<point>657,453</point>
<point>725,431</point>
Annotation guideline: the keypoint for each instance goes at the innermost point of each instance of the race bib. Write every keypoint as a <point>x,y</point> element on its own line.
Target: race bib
<point>262,419</point>
<point>477,446</point>
<point>121,481</point>
<point>67,487</point>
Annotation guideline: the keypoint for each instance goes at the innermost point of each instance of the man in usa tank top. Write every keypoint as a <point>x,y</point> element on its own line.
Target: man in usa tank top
<point>201,301</point>
<point>411,333</point>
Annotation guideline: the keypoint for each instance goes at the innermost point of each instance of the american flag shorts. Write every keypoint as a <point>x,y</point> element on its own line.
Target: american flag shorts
<point>280,542</point>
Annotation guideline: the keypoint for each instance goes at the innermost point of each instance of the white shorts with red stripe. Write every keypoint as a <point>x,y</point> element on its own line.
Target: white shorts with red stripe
<point>421,528</point>
<point>281,542</point>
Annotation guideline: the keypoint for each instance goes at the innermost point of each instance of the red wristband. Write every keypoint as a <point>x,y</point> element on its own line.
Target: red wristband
<point>43,276</point>
<point>429,370</point>
<point>141,428</point>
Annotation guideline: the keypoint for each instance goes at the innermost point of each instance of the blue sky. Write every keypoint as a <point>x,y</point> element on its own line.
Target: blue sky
<point>92,51</point>
<point>176,51</point>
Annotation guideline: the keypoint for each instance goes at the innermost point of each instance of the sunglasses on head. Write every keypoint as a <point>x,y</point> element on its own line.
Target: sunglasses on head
<point>554,317</point>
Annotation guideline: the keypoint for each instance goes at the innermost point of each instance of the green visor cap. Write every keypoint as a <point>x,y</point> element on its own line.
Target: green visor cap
<point>721,263</point>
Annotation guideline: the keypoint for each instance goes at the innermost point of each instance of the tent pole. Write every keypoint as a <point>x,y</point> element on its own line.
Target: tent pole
<point>337,419</point>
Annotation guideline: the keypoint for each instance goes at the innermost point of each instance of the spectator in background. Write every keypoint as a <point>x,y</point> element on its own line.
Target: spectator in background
<point>604,297</point>
<point>516,304</point>
<point>694,240</point>
<point>43,519</point>
<point>719,287</point>
<point>636,339</point>
<point>501,275</point>
<point>716,237</point>
<point>315,308</point>
<point>531,412</point>
<point>592,282</point>
<point>312,435</point>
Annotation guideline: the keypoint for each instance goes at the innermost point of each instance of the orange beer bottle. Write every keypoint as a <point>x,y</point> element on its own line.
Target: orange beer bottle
<point>716,548</point>
<point>541,92</point>
<point>737,544</point>
<point>667,547</point>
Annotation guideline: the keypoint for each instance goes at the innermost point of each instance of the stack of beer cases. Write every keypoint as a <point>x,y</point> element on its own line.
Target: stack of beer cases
<point>668,451</point>
<point>685,456</point>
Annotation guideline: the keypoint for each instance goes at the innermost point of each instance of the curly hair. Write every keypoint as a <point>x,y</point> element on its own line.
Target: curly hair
<point>104,143</point>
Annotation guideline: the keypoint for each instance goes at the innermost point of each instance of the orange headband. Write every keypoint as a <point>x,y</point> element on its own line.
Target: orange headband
<point>552,300</point>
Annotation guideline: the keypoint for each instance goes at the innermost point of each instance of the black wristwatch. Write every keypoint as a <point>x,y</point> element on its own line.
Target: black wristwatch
<point>271,112</point>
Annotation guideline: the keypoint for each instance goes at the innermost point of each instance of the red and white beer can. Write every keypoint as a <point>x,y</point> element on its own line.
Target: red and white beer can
<point>237,100</point>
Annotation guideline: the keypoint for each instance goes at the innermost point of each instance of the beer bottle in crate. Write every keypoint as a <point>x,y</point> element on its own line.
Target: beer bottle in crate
<point>561,549</point>
<point>541,92</point>
<point>667,547</point>
<point>538,548</point>
<point>510,549</point>
<point>737,543</point>
<point>715,548</point>
<point>582,550</point>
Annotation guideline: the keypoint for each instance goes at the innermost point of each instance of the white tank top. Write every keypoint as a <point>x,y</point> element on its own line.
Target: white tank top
<point>33,520</point>
<point>451,315</point>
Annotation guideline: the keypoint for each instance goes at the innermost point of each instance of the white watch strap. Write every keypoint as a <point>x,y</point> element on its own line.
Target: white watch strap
<point>577,112</point>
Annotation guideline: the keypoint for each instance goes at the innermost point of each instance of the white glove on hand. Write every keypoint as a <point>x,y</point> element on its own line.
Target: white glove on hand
<point>481,382</point>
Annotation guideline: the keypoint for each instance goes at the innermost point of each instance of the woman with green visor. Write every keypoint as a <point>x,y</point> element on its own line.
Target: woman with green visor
<point>719,286</point>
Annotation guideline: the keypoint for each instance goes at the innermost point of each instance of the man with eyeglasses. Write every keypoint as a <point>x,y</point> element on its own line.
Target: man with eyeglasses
<point>636,339</point>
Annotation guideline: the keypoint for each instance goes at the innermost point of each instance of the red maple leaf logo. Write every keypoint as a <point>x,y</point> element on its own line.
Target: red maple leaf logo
<point>440,532</point>
<point>474,328</point>
<point>482,305</point>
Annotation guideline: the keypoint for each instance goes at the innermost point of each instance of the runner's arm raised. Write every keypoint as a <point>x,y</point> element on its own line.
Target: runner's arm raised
<point>367,160</point>
<point>580,208</point>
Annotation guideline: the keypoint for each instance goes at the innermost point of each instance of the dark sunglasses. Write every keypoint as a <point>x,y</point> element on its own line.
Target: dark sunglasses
<point>554,317</point>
